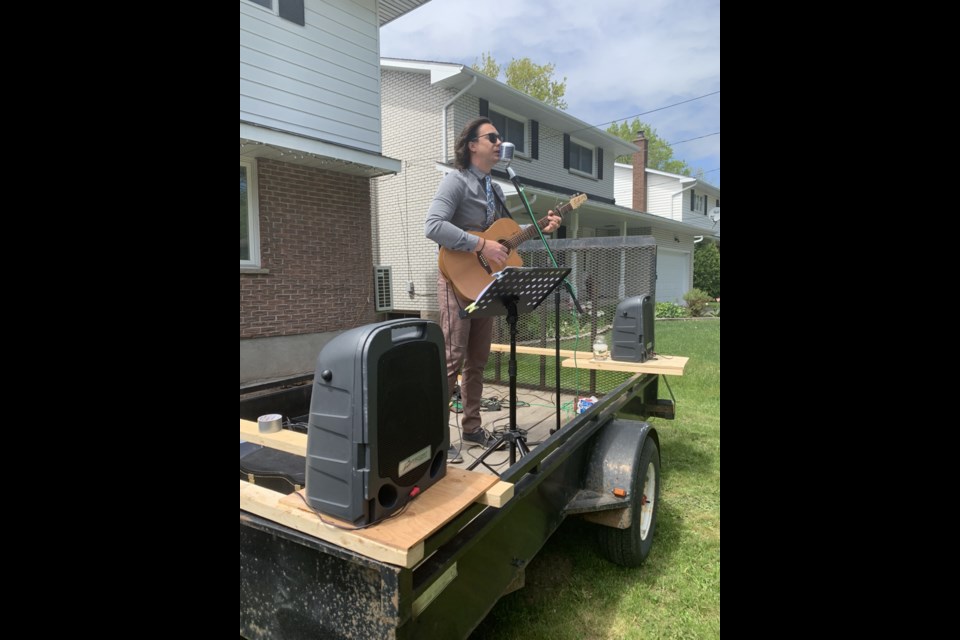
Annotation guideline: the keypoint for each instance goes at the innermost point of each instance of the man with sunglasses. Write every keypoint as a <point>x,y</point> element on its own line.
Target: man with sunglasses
<point>468,200</point>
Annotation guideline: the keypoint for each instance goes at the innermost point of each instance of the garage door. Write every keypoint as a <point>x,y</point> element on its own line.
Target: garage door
<point>673,275</point>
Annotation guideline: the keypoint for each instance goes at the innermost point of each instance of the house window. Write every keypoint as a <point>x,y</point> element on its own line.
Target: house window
<point>249,218</point>
<point>511,129</point>
<point>291,10</point>
<point>581,158</point>
<point>698,204</point>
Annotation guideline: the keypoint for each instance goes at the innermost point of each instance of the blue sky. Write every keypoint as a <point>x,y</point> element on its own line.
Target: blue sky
<point>621,58</point>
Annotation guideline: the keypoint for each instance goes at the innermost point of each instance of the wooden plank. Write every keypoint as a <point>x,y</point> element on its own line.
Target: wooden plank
<point>296,443</point>
<point>666,365</point>
<point>269,504</point>
<point>398,540</point>
<point>542,351</point>
<point>497,495</point>
<point>284,440</point>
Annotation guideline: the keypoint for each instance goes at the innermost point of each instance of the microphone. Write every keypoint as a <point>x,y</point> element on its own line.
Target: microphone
<point>506,152</point>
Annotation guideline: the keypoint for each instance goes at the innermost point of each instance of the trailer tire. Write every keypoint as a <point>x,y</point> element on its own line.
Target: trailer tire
<point>630,547</point>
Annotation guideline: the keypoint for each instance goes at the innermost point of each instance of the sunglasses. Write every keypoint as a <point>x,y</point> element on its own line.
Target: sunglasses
<point>492,137</point>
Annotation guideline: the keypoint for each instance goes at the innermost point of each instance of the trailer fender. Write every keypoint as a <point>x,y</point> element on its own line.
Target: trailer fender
<point>610,474</point>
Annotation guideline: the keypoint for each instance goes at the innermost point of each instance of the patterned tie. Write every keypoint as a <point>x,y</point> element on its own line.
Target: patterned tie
<point>490,205</point>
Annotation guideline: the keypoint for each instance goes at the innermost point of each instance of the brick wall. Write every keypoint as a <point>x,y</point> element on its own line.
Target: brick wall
<point>315,243</point>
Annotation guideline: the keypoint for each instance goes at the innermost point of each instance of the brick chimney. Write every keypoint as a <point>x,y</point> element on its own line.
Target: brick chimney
<point>640,174</point>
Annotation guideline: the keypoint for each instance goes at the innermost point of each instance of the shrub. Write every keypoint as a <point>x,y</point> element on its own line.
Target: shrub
<point>706,268</point>
<point>670,310</point>
<point>697,302</point>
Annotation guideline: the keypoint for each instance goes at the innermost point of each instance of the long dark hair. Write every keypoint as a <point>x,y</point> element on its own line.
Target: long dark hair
<point>460,150</point>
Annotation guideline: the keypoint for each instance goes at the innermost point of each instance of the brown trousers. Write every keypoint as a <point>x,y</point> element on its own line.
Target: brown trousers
<point>468,348</point>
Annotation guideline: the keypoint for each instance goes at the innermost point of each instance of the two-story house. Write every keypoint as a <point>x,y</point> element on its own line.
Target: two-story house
<point>425,105</point>
<point>692,201</point>
<point>310,129</point>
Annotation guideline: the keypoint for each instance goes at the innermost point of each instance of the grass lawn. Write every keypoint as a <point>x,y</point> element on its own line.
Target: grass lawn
<point>573,593</point>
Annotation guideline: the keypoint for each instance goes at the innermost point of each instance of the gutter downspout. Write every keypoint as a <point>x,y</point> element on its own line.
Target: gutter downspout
<point>674,195</point>
<point>443,119</point>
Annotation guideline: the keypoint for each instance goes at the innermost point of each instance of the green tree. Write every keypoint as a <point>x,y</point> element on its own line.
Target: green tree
<point>535,80</point>
<point>659,153</point>
<point>706,268</point>
<point>487,66</point>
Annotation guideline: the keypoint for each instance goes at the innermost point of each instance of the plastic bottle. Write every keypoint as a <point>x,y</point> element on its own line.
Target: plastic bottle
<point>600,349</point>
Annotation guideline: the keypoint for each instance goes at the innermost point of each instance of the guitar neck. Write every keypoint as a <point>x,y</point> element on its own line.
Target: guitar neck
<point>531,231</point>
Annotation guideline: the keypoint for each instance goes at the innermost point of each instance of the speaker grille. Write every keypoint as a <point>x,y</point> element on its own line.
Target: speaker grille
<point>410,407</point>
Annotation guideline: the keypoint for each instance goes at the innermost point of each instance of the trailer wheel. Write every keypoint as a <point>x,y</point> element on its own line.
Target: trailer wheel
<point>630,547</point>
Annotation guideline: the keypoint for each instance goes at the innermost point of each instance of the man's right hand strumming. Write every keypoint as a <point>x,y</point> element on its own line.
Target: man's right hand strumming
<point>493,251</point>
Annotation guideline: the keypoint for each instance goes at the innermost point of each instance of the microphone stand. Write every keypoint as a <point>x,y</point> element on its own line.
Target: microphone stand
<point>523,197</point>
<point>556,304</point>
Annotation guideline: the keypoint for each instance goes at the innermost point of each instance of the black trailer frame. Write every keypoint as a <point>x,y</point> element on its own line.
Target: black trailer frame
<point>293,585</point>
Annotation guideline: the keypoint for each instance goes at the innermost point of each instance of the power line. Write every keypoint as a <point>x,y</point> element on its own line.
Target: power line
<point>716,133</point>
<point>675,104</point>
<point>669,106</point>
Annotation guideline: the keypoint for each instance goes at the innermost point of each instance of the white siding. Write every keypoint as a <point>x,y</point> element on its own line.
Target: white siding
<point>664,200</point>
<point>700,218</point>
<point>321,80</point>
<point>660,198</point>
<point>623,186</point>
<point>660,190</point>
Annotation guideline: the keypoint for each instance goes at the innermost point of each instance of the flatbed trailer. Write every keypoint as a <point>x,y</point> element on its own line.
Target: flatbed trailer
<point>303,581</point>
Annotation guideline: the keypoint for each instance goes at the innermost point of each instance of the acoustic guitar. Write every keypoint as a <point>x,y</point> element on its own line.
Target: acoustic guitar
<point>469,272</point>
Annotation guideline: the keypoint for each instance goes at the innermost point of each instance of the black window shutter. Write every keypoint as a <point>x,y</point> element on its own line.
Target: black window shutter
<point>291,10</point>
<point>599,163</point>
<point>484,108</point>
<point>693,200</point>
<point>566,151</point>
<point>534,139</point>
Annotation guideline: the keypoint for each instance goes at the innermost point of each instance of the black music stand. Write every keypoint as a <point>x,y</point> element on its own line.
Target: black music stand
<point>515,289</point>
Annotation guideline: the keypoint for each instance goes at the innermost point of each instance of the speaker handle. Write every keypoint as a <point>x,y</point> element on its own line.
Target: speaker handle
<point>409,332</point>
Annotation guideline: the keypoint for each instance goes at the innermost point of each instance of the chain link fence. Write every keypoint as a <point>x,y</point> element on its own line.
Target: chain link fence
<point>604,272</point>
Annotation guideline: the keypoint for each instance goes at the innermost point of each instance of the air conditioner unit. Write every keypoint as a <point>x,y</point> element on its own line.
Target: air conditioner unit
<point>382,288</point>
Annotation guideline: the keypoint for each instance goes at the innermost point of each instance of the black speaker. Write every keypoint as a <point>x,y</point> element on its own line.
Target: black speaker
<point>633,329</point>
<point>377,433</point>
